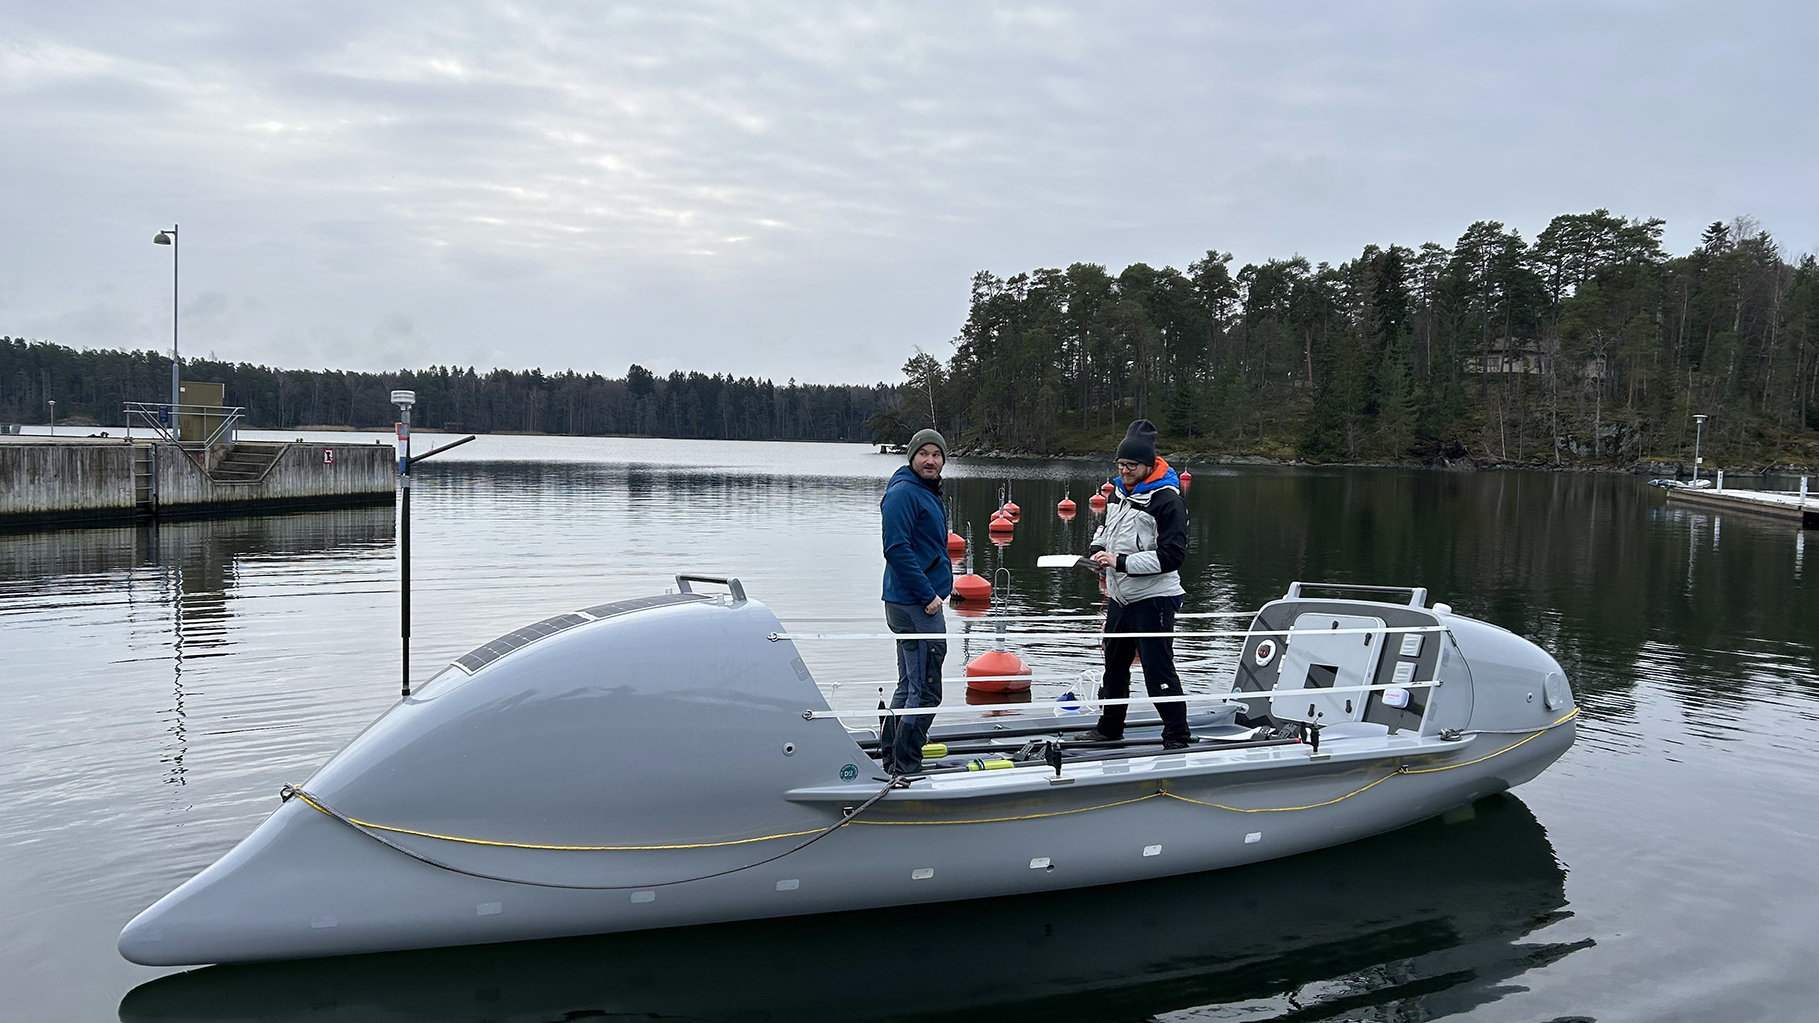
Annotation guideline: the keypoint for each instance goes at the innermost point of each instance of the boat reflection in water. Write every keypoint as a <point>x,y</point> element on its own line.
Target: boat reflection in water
<point>1428,918</point>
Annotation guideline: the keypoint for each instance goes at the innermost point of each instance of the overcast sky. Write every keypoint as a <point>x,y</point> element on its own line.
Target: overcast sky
<point>804,190</point>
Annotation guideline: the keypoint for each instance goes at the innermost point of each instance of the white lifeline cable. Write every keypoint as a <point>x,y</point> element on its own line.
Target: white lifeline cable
<point>963,618</point>
<point>1097,636</point>
<point>815,715</point>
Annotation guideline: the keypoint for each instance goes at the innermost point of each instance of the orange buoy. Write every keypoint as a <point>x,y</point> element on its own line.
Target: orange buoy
<point>1066,507</point>
<point>998,671</point>
<point>1001,523</point>
<point>972,587</point>
<point>955,543</point>
<point>1096,503</point>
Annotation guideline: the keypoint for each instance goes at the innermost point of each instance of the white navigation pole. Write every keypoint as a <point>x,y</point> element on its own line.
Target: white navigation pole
<point>1698,433</point>
<point>404,400</point>
<point>170,238</point>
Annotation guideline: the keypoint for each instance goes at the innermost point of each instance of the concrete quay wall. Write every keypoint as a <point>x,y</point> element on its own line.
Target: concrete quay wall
<point>80,480</point>
<point>84,482</point>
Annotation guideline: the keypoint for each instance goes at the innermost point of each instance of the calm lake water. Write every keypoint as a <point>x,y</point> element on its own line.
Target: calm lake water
<point>160,684</point>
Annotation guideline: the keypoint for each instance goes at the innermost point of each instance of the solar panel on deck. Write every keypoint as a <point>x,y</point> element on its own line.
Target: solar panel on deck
<point>619,607</point>
<point>483,655</point>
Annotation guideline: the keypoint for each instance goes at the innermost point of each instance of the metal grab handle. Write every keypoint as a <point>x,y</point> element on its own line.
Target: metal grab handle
<point>1417,595</point>
<point>730,582</point>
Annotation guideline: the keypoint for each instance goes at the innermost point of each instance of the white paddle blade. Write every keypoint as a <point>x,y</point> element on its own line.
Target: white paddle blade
<point>1058,560</point>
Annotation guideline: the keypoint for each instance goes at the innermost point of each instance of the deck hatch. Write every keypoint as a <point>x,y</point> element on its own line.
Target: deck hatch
<point>483,655</point>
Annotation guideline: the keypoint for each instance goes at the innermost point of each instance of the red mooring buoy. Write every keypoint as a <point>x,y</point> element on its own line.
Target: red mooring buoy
<point>1106,489</point>
<point>998,671</point>
<point>1066,507</point>
<point>1096,503</point>
<point>956,544</point>
<point>972,587</point>
<point>1001,523</point>
<point>1186,478</point>
<point>1010,508</point>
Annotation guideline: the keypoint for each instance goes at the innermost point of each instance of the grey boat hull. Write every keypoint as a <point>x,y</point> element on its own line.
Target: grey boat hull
<point>541,795</point>
<point>1351,919</point>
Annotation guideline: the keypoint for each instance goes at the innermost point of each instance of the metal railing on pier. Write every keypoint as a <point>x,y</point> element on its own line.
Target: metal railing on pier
<point>189,426</point>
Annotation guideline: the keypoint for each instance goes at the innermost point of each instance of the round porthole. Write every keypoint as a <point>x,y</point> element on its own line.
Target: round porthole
<point>789,749</point>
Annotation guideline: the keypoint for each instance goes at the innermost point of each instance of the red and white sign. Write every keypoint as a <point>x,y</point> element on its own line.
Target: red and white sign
<point>328,456</point>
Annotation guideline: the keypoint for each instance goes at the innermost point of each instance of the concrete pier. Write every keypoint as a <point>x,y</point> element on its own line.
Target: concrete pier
<point>1766,503</point>
<point>50,482</point>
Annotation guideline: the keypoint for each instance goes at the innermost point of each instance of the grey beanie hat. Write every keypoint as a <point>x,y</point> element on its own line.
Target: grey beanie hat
<point>927,437</point>
<point>1139,444</point>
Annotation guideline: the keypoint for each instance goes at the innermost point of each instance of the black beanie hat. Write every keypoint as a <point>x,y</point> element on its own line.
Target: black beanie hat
<point>1139,444</point>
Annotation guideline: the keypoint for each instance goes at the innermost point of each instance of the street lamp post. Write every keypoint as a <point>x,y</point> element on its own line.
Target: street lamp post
<point>404,400</point>
<point>170,238</point>
<point>53,406</point>
<point>1698,433</point>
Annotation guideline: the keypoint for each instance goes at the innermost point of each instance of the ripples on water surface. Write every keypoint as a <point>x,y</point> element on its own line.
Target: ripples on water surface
<point>160,684</point>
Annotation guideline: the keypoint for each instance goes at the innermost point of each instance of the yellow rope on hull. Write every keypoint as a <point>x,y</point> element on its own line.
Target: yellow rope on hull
<point>1400,769</point>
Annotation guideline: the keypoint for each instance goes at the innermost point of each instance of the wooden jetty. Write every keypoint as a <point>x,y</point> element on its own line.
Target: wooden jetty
<point>50,482</point>
<point>1787,506</point>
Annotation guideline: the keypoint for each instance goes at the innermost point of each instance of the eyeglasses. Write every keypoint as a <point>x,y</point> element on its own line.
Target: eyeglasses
<point>1122,464</point>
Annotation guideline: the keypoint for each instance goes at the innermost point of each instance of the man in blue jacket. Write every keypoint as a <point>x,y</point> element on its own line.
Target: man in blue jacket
<point>917,578</point>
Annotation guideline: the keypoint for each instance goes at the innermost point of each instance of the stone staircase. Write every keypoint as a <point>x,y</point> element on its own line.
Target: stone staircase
<point>245,463</point>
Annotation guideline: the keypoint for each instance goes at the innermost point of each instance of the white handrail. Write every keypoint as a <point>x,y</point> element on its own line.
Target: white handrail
<point>998,708</point>
<point>1097,636</point>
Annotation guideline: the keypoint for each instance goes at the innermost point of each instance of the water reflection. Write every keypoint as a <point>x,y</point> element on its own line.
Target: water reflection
<point>1582,564</point>
<point>1416,924</point>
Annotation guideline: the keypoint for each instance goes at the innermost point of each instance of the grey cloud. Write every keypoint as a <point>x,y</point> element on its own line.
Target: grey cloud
<point>804,190</point>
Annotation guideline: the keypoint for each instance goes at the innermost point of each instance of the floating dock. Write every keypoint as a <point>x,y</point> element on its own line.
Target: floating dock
<point>1788,506</point>
<point>52,482</point>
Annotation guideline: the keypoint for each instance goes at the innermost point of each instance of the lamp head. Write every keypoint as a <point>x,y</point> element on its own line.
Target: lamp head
<point>404,399</point>
<point>161,238</point>
<point>1699,418</point>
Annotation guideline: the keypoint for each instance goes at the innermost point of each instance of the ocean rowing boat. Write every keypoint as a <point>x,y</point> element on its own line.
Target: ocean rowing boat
<point>670,761</point>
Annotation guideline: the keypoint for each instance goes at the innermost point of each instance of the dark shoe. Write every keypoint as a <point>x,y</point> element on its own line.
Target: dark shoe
<point>1169,744</point>
<point>1095,736</point>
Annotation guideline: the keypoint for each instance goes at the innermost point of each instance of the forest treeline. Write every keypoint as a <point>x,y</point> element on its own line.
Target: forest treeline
<point>92,386</point>
<point>1590,342</point>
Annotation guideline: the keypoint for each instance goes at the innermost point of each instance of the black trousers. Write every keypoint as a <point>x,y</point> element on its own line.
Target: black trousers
<point>1157,614</point>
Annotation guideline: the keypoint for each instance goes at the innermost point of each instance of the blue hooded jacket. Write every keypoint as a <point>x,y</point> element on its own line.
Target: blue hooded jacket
<point>916,568</point>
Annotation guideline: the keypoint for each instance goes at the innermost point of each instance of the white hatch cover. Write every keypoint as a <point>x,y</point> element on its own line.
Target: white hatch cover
<point>1315,658</point>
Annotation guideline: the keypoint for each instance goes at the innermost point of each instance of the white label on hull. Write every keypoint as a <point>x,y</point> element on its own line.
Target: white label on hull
<point>789,885</point>
<point>1152,850</point>
<point>644,896</point>
<point>1255,836</point>
<point>489,909</point>
<point>1039,863</point>
<point>922,873</point>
